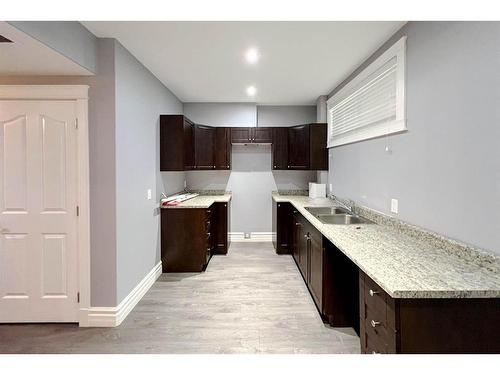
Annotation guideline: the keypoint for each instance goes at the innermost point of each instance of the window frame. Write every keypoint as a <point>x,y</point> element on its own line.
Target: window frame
<point>398,51</point>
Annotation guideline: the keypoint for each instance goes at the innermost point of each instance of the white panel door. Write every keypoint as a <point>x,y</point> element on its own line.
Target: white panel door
<point>38,222</point>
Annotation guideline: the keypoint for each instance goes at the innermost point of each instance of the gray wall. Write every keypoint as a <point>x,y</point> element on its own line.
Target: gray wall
<point>251,178</point>
<point>102,166</point>
<point>271,115</point>
<point>140,99</point>
<point>445,171</point>
<point>222,114</point>
<point>70,38</point>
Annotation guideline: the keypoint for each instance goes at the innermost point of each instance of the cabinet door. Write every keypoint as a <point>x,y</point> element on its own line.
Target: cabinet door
<point>188,131</point>
<point>316,267</point>
<point>219,227</point>
<point>298,147</point>
<point>303,244</point>
<point>204,147</point>
<point>283,224</point>
<point>222,148</point>
<point>280,148</point>
<point>262,135</point>
<point>241,135</point>
<point>318,153</point>
<point>171,143</point>
<point>295,236</point>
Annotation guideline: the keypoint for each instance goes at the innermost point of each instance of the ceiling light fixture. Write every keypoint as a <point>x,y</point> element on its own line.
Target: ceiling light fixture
<point>252,55</point>
<point>251,91</point>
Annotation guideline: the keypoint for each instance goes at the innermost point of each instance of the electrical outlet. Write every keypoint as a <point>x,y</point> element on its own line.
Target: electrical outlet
<point>150,195</point>
<point>394,206</point>
<point>247,236</point>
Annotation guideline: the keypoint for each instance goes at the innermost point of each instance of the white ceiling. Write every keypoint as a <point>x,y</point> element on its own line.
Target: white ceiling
<point>28,56</point>
<point>204,61</point>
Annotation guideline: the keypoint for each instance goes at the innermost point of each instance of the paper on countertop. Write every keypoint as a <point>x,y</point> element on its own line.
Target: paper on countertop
<point>174,200</point>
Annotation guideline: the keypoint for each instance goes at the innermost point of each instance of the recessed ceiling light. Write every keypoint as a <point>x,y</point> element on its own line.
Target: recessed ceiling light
<point>251,91</point>
<point>252,55</point>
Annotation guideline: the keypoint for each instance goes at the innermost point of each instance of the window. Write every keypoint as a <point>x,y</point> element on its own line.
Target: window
<point>373,103</point>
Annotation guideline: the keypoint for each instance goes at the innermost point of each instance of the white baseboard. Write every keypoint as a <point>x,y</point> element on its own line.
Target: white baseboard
<point>254,237</point>
<point>114,316</point>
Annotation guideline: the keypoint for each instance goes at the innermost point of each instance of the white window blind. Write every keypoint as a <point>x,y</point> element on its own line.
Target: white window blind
<point>372,104</point>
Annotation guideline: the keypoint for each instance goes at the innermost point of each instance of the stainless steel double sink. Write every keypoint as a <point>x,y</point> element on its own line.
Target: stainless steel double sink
<point>336,215</point>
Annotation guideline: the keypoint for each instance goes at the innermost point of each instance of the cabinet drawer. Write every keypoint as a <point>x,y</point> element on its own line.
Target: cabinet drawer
<point>377,318</point>
<point>384,338</point>
<point>373,345</point>
<point>378,305</point>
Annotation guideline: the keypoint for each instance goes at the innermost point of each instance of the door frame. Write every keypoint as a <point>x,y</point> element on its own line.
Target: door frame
<point>78,94</point>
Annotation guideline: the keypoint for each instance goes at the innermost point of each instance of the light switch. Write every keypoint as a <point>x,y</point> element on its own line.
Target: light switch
<point>331,188</point>
<point>394,206</point>
<point>149,194</point>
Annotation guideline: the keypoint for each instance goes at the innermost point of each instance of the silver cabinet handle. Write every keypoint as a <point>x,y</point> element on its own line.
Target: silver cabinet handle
<point>374,352</point>
<point>374,323</point>
<point>373,292</point>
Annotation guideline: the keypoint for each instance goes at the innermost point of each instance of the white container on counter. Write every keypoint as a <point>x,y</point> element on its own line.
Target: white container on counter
<point>317,190</point>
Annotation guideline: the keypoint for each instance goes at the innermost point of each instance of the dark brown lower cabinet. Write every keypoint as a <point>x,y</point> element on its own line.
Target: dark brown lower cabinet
<point>431,325</point>
<point>189,236</point>
<point>282,222</point>
<point>347,297</point>
<point>332,278</point>
<point>186,242</point>
<point>220,227</point>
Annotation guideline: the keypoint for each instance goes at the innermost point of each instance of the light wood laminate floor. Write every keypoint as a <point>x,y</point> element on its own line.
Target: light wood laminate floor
<point>250,301</point>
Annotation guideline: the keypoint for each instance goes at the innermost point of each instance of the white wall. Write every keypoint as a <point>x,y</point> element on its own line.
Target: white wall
<point>445,171</point>
<point>251,178</point>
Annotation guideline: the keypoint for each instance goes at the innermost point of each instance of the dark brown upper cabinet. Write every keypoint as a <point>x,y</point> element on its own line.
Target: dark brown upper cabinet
<point>280,148</point>
<point>298,147</point>
<point>187,146</point>
<point>176,143</point>
<point>318,153</point>
<point>241,135</point>
<point>189,161</point>
<point>251,135</point>
<point>262,135</point>
<point>204,147</point>
<point>307,147</point>
<point>222,148</point>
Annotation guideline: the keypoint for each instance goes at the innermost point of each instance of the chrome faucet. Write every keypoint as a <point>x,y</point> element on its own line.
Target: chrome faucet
<point>348,204</point>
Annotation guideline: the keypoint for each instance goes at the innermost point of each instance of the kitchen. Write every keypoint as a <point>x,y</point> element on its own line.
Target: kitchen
<point>256,194</point>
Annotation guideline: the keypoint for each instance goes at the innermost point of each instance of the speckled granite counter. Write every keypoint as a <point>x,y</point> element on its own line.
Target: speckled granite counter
<point>202,201</point>
<point>407,266</point>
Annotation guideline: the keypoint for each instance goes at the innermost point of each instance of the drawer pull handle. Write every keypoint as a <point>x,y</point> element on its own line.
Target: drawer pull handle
<point>374,352</point>
<point>374,323</point>
<point>373,292</point>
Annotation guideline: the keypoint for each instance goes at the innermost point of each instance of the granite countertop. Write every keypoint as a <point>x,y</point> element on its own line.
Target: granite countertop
<point>408,264</point>
<point>202,201</point>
